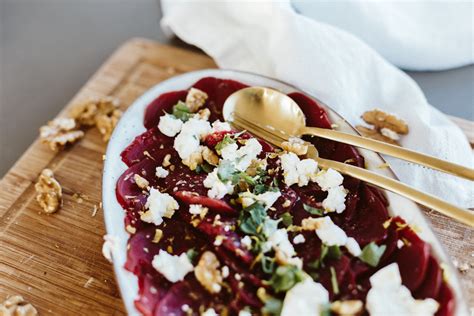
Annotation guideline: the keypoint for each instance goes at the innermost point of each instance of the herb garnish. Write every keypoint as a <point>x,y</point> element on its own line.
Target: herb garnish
<point>372,253</point>
<point>181,111</point>
<point>272,306</point>
<point>331,252</point>
<point>313,210</point>
<point>287,219</point>
<point>285,277</point>
<point>335,285</point>
<point>192,254</point>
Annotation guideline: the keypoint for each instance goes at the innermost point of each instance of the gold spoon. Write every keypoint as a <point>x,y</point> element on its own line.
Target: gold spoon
<point>281,114</point>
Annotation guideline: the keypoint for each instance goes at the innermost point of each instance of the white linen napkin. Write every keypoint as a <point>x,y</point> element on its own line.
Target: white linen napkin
<point>415,35</point>
<point>271,39</point>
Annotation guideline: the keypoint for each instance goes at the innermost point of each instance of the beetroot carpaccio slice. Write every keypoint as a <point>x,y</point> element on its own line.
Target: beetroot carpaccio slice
<point>222,226</point>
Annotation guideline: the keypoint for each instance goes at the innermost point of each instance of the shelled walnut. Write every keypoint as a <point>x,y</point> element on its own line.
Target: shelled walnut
<point>59,132</point>
<point>207,272</point>
<point>385,127</point>
<point>49,192</point>
<point>17,306</point>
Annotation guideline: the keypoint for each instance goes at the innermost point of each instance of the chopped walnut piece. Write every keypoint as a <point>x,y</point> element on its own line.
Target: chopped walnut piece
<point>85,113</point>
<point>166,160</point>
<point>210,156</point>
<point>375,134</point>
<point>295,145</point>
<point>207,272</point>
<point>195,99</point>
<point>141,182</point>
<point>310,223</point>
<point>60,131</point>
<point>17,306</point>
<point>381,119</point>
<point>49,192</point>
<point>106,123</point>
<point>346,308</point>
<point>158,235</point>
<point>204,114</point>
<point>193,160</point>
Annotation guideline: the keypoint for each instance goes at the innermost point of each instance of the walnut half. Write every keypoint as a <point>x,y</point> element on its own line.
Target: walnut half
<point>59,132</point>
<point>381,119</point>
<point>207,272</point>
<point>375,134</point>
<point>49,192</point>
<point>17,306</point>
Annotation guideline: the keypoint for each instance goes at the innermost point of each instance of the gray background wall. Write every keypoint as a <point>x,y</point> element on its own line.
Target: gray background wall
<point>49,48</point>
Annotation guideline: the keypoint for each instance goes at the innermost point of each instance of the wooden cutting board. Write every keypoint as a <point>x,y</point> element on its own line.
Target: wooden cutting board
<point>55,261</point>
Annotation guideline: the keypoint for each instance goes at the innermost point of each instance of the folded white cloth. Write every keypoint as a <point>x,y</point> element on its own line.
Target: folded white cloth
<point>270,38</point>
<point>415,35</point>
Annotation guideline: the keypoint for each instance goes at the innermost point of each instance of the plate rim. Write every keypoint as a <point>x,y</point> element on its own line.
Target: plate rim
<point>124,277</point>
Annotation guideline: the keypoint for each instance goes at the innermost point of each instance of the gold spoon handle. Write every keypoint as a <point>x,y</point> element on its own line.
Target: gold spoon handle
<point>430,201</point>
<point>392,150</point>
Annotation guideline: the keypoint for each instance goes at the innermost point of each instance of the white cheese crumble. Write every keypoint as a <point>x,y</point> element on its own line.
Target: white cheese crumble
<point>219,126</point>
<point>188,140</point>
<point>229,152</point>
<point>241,157</point>
<point>306,298</point>
<point>284,249</point>
<point>170,125</point>
<point>267,198</point>
<point>336,199</point>
<point>246,242</point>
<point>197,209</point>
<point>328,179</point>
<point>161,172</point>
<point>353,247</point>
<point>299,239</point>
<point>244,312</point>
<point>298,171</point>
<point>389,297</point>
<point>210,312</point>
<point>218,189</point>
<point>332,235</point>
<point>173,268</point>
<point>159,205</point>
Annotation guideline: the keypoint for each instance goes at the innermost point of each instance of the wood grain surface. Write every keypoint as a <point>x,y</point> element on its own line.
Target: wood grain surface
<point>55,261</point>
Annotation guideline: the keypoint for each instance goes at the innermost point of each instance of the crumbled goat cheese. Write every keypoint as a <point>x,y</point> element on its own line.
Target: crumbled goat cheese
<point>159,205</point>
<point>329,179</point>
<point>353,247</point>
<point>247,153</point>
<point>197,209</point>
<point>244,312</point>
<point>298,171</point>
<point>306,298</point>
<point>161,172</point>
<point>389,297</point>
<point>400,243</point>
<point>219,126</point>
<point>229,152</point>
<point>283,248</point>
<point>210,312</point>
<point>246,242</point>
<point>218,189</point>
<point>173,268</point>
<point>387,132</point>
<point>329,233</point>
<point>267,198</point>
<point>170,125</point>
<point>188,140</point>
<point>299,239</point>
<point>335,201</point>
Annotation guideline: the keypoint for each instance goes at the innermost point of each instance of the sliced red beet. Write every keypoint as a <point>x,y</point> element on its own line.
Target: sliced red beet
<point>164,103</point>
<point>433,281</point>
<point>219,206</point>
<point>446,300</point>
<point>217,90</point>
<point>412,260</point>
<point>213,139</point>
<point>315,114</point>
<point>149,293</point>
<point>149,143</point>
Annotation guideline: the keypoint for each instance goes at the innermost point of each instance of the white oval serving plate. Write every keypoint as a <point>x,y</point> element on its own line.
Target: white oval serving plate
<point>131,125</point>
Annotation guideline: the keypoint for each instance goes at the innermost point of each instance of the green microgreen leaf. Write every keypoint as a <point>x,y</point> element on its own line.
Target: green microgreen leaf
<point>313,210</point>
<point>334,284</point>
<point>287,219</point>
<point>181,111</point>
<point>285,277</point>
<point>192,254</point>
<point>252,219</point>
<point>272,306</point>
<point>268,264</point>
<point>204,168</point>
<point>372,253</point>
<point>228,139</point>
<point>332,252</point>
